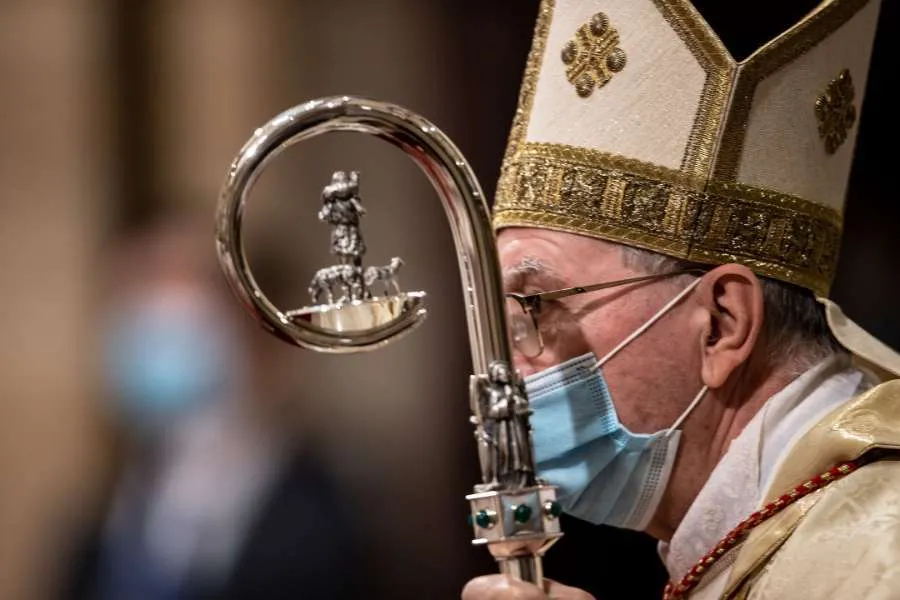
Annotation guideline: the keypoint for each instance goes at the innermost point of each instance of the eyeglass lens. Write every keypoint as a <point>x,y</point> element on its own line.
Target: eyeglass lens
<point>522,329</point>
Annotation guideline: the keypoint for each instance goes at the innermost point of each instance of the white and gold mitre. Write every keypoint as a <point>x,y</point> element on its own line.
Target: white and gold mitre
<point>636,125</point>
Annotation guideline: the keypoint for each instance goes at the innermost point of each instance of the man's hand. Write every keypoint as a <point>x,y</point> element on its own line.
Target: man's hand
<point>503,587</point>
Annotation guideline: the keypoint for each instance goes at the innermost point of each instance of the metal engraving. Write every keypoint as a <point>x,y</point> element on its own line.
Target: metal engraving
<point>342,209</point>
<point>593,55</point>
<point>500,415</point>
<point>386,275</point>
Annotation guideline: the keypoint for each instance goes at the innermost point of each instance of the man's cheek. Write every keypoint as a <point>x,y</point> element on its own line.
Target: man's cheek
<point>565,344</point>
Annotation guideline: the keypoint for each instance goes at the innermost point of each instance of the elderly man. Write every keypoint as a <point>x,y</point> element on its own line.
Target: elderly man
<point>669,222</point>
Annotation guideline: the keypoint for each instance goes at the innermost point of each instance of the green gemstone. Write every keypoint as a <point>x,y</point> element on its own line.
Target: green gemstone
<point>522,513</point>
<point>552,509</point>
<point>469,519</point>
<point>484,519</point>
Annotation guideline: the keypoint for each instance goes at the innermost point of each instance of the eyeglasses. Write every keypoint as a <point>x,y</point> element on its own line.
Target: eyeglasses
<point>522,310</point>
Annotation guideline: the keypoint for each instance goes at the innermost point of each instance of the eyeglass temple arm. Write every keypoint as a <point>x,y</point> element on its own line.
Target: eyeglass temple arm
<point>570,291</point>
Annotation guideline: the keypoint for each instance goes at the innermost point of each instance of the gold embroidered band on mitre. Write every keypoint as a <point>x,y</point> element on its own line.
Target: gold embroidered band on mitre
<point>622,200</point>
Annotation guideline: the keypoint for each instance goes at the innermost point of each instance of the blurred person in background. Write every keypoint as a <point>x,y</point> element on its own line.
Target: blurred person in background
<point>218,496</point>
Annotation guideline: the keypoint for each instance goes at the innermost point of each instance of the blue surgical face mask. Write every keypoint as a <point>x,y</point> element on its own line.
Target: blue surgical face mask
<point>605,473</point>
<point>164,362</point>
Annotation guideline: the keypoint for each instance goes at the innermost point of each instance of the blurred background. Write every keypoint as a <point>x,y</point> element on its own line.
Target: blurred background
<point>232,465</point>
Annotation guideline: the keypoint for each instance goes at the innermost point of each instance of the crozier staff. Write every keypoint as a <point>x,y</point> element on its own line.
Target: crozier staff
<point>669,224</point>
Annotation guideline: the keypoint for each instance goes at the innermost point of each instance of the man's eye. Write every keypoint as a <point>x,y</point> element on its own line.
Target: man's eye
<point>551,307</point>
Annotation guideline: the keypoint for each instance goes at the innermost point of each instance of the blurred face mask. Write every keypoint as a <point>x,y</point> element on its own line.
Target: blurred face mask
<point>605,473</point>
<point>165,360</point>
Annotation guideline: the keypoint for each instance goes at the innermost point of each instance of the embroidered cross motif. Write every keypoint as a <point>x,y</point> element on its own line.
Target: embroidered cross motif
<point>835,111</point>
<point>593,55</point>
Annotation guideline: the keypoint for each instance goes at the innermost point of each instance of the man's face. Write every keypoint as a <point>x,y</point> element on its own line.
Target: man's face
<point>651,379</point>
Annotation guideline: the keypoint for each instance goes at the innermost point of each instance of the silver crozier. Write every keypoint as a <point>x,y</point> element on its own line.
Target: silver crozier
<point>354,307</point>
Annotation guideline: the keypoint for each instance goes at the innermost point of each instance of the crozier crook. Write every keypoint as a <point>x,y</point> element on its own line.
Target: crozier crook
<point>513,514</point>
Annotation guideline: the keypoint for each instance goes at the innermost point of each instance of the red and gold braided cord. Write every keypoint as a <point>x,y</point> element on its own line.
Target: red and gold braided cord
<point>743,529</point>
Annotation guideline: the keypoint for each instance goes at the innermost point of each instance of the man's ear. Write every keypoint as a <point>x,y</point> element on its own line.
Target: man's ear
<point>732,299</point>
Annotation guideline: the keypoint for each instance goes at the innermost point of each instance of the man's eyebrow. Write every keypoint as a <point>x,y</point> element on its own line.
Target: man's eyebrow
<point>531,270</point>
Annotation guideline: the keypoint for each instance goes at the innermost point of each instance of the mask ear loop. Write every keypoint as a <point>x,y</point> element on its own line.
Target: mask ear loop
<point>687,411</point>
<point>659,315</point>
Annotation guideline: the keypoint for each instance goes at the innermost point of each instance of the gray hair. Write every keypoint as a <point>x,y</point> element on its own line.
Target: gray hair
<point>795,329</point>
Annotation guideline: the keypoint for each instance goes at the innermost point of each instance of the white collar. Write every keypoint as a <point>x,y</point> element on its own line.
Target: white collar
<point>736,486</point>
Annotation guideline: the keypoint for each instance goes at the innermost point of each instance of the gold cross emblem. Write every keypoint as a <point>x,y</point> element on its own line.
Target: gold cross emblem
<point>593,55</point>
<point>835,111</point>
